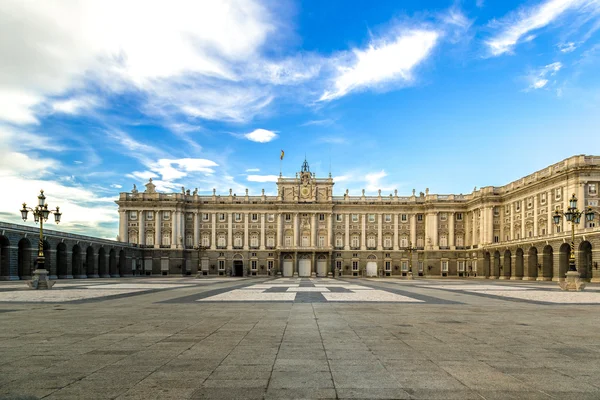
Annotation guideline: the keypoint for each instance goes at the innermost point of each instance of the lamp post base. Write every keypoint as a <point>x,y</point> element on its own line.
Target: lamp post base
<point>572,282</point>
<point>40,280</point>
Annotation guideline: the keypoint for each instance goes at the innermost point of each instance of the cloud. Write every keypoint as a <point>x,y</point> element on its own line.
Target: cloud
<point>538,79</point>
<point>385,60</point>
<point>518,26</point>
<point>253,170</point>
<point>261,135</point>
<point>332,140</point>
<point>114,185</point>
<point>319,122</point>
<point>567,47</point>
<point>74,105</point>
<point>262,178</point>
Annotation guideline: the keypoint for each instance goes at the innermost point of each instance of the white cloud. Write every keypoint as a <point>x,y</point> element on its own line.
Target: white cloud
<point>262,178</point>
<point>567,47</point>
<point>520,24</point>
<point>253,170</point>
<point>114,185</point>
<point>319,122</point>
<point>171,170</point>
<point>538,79</point>
<point>332,140</point>
<point>261,135</point>
<point>74,105</point>
<point>385,60</point>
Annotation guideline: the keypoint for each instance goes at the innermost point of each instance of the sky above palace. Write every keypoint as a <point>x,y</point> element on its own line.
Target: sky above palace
<point>96,96</point>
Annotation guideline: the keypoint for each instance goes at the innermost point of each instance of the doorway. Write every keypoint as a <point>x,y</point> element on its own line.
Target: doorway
<point>238,268</point>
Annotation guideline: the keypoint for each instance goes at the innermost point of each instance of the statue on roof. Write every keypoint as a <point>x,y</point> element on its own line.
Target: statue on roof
<point>150,187</point>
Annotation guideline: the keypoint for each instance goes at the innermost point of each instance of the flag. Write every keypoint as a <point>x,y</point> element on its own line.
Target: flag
<point>281,156</point>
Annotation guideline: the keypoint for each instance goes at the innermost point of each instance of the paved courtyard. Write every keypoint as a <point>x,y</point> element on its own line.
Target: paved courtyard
<point>228,338</point>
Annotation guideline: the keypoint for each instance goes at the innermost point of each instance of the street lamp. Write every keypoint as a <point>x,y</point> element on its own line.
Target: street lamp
<point>573,215</point>
<point>40,214</point>
<point>410,250</point>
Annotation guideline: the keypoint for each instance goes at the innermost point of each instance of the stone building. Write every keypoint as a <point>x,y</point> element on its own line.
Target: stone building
<point>502,232</point>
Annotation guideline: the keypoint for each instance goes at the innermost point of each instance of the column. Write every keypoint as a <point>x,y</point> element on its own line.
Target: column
<point>474,226</point>
<point>196,228</point>
<point>490,224</point>
<point>435,239</point>
<point>213,234</point>
<point>174,228</point>
<point>246,221</point>
<point>347,232</point>
<point>468,229</point>
<point>329,229</point>
<point>581,205</point>
<point>229,231</point>
<point>157,227</point>
<point>379,231</point>
<point>123,226</point>
<point>296,227</point>
<point>141,228</point>
<point>181,241</point>
<point>550,225</point>
<point>395,237</point>
<point>523,204</point>
<point>313,230</point>
<point>483,225</point>
<point>279,229</point>
<point>413,228</point>
<point>363,236</point>
<point>512,221</point>
<point>262,231</point>
<point>535,215</point>
<point>451,230</point>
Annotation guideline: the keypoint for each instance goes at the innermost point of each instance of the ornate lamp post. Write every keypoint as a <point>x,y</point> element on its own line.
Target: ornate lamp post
<point>40,214</point>
<point>573,215</point>
<point>410,250</point>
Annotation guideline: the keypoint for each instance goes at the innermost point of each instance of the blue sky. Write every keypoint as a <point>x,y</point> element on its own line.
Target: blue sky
<point>96,96</point>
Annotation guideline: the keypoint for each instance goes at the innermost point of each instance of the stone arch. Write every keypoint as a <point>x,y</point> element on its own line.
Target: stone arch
<point>76,262</point>
<point>507,265</point>
<point>62,269</point>
<point>238,256</point>
<point>102,269</point>
<point>89,262</point>
<point>563,260</point>
<point>532,263</point>
<point>122,265</point>
<point>4,257</point>
<point>519,264</point>
<point>321,257</point>
<point>486,264</point>
<point>496,270</point>
<point>547,263</point>
<point>288,257</point>
<point>371,257</point>
<point>24,259</point>
<point>584,261</point>
<point>112,263</point>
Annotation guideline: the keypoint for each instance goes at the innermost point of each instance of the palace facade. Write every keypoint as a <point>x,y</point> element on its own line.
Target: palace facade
<point>502,232</point>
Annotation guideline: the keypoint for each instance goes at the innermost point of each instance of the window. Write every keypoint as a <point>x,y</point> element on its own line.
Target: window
<point>269,265</point>
<point>149,215</point>
<point>166,239</point>
<point>420,266</point>
<point>133,237</point>
<point>388,265</point>
<point>443,241</point>
<point>591,224</point>
<point>419,242</point>
<point>404,217</point>
<point>592,189</point>
<point>459,241</point>
<point>221,241</point>
<point>387,255</point>
<point>557,228</point>
<point>388,218</point>
<point>253,264</point>
<point>443,217</point>
<point>189,216</point>
<point>305,241</point>
<point>557,193</point>
<point>339,217</point>
<point>496,211</point>
<point>321,217</point>
<point>387,242</point>
<point>355,242</point>
<point>338,265</point>
<point>221,265</point>
<point>238,217</point>
<point>205,241</point>
<point>205,217</point>
<point>403,242</point>
<point>166,215</point>
<point>254,217</point>
<point>288,241</point>
<point>288,217</point>
<point>518,206</point>
<point>543,198</point>
<point>444,266</point>
<point>133,215</point>
<point>354,255</point>
<point>270,217</point>
<point>271,241</point>
<point>339,241</point>
<point>254,241</point>
<point>461,266</point>
<point>354,265</point>
<point>404,266</point>
<point>497,238</point>
<point>459,216</point>
<point>371,242</point>
<point>189,241</point>
<point>221,217</point>
<point>321,241</point>
<point>149,239</point>
<point>419,217</point>
<point>354,217</point>
<point>530,202</point>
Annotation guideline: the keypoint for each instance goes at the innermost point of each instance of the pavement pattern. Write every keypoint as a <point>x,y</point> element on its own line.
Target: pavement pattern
<point>231,338</point>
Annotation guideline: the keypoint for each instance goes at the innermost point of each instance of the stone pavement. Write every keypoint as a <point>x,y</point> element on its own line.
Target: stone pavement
<point>186,338</point>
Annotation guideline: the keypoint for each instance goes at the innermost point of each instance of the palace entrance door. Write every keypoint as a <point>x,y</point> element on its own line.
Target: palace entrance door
<point>238,268</point>
<point>304,266</point>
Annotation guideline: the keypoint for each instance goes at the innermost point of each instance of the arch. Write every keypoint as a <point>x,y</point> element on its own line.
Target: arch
<point>519,264</point>
<point>547,263</point>
<point>584,261</point>
<point>89,262</point>
<point>61,261</point>
<point>102,268</point>
<point>4,256</point>
<point>112,263</point>
<point>563,260</point>
<point>371,257</point>
<point>532,263</point>
<point>24,259</point>
<point>486,264</point>
<point>496,265</point>
<point>507,265</point>
<point>238,256</point>
<point>288,257</point>
<point>122,264</point>
<point>76,262</point>
<point>321,257</point>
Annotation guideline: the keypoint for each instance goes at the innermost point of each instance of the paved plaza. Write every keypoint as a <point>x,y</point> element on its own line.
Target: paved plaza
<point>255,338</point>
